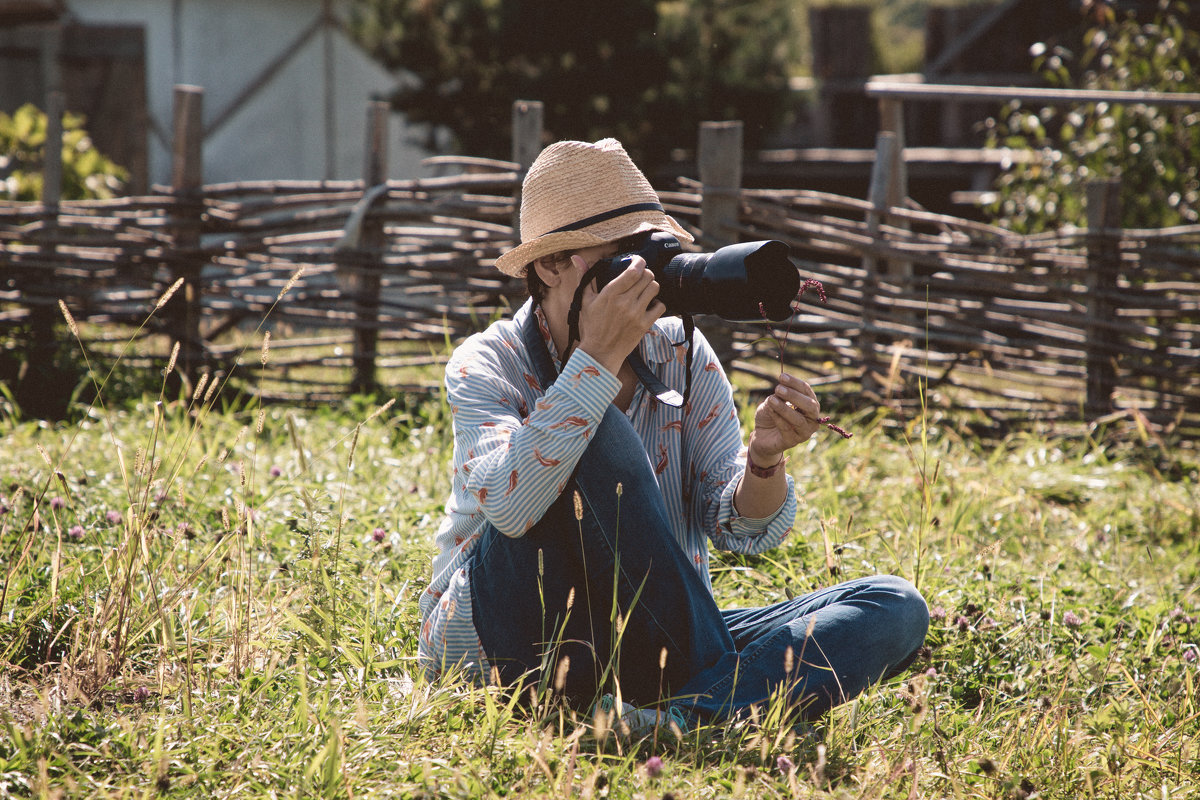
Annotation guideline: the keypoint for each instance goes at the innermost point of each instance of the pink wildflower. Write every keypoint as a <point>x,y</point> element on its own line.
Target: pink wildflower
<point>76,532</point>
<point>379,534</point>
<point>1071,620</point>
<point>57,503</point>
<point>654,766</point>
<point>113,516</point>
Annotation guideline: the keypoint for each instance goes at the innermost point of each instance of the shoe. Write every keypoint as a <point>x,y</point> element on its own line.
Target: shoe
<point>637,723</point>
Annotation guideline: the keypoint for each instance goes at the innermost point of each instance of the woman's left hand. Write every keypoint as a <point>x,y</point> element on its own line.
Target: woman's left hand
<point>787,417</point>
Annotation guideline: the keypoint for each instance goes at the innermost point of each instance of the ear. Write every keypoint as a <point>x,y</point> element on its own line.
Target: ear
<point>549,270</point>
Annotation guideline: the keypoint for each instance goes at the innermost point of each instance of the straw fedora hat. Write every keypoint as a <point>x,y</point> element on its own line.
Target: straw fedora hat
<point>579,194</point>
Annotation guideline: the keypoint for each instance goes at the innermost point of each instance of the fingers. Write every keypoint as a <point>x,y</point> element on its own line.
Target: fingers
<point>800,416</point>
<point>794,395</point>
<point>635,285</point>
<point>792,382</point>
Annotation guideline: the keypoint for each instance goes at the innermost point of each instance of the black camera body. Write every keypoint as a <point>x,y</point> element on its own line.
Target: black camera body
<point>747,282</point>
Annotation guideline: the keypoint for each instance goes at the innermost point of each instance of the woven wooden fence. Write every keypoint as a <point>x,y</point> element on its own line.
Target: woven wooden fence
<point>366,284</point>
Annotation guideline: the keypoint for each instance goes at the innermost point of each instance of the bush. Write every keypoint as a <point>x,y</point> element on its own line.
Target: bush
<point>86,173</point>
<point>1154,150</point>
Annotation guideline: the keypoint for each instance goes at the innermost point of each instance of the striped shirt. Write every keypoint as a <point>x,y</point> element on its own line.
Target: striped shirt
<point>515,448</point>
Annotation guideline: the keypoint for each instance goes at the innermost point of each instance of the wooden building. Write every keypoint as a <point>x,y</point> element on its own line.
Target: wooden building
<point>285,87</point>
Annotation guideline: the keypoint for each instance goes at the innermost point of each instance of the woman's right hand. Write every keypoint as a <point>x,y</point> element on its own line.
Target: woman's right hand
<point>613,321</point>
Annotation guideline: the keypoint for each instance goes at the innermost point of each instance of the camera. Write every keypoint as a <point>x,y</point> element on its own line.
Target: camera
<point>747,282</point>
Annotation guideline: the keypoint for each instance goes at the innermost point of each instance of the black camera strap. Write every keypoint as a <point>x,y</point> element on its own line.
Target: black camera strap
<point>645,375</point>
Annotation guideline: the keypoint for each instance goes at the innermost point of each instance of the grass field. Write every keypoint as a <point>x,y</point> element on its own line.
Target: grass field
<point>212,600</point>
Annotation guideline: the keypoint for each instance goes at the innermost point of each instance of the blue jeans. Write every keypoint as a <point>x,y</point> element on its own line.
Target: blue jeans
<point>559,590</point>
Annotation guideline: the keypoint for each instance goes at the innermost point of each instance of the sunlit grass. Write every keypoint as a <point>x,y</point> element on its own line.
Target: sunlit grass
<point>205,597</point>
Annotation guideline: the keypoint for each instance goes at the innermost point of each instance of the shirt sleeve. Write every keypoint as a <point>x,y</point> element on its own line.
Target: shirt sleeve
<point>513,459</point>
<point>717,460</point>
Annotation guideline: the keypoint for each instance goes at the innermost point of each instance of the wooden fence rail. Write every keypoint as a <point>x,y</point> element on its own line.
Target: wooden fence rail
<point>363,284</point>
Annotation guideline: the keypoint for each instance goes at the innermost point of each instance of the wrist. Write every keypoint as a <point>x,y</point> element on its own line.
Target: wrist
<point>760,460</point>
<point>765,472</point>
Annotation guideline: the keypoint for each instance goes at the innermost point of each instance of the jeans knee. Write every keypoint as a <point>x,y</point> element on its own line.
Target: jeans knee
<point>909,609</point>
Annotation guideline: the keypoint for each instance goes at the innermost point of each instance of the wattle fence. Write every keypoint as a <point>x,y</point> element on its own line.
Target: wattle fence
<point>365,284</point>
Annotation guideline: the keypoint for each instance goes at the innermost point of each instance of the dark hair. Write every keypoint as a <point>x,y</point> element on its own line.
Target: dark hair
<point>534,284</point>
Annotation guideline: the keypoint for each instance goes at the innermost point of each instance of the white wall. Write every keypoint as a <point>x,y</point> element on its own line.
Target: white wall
<point>224,46</point>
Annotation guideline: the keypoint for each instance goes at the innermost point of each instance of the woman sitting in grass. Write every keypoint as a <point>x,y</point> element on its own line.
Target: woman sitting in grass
<point>574,552</point>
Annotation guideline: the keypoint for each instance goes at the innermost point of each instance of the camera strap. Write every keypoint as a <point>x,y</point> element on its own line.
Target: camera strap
<point>653,384</point>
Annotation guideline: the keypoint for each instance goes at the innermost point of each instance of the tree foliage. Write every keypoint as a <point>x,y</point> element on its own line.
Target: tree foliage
<point>647,72</point>
<point>86,173</point>
<point>1154,150</point>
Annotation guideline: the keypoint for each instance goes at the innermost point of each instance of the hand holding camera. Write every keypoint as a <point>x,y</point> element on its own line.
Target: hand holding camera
<point>618,315</point>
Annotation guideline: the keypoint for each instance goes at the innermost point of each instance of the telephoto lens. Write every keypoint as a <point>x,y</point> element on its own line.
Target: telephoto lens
<point>746,282</point>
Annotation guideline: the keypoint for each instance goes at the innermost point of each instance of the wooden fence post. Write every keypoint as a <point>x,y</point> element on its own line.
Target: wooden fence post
<point>44,389</point>
<point>720,164</point>
<point>881,189</point>
<point>366,268</point>
<point>183,311</point>
<point>527,121</point>
<point>1104,259</point>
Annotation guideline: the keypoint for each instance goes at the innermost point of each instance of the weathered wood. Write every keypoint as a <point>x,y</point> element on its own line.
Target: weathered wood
<point>1006,324</point>
<point>882,176</point>
<point>1104,220</point>
<point>1040,96</point>
<point>526,145</point>
<point>720,164</point>
<point>183,311</point>
<point>365,282</point>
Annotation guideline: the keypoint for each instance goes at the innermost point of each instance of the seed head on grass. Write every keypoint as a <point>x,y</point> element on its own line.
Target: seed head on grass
<point>560,673</point>
<point>200,384</point>
<point>171,361</point>
<point>66,312</point>
<point>166,296</point>
<point>287,287</point>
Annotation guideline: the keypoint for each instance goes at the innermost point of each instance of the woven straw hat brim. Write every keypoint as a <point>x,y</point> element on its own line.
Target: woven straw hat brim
<point>581,194</point>
<point>516,260</point>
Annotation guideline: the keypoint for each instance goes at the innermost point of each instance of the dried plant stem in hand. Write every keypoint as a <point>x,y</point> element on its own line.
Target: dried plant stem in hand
<point>820,290</point>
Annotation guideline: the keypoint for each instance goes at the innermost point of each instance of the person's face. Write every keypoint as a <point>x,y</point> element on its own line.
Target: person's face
<point>561,273</point>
